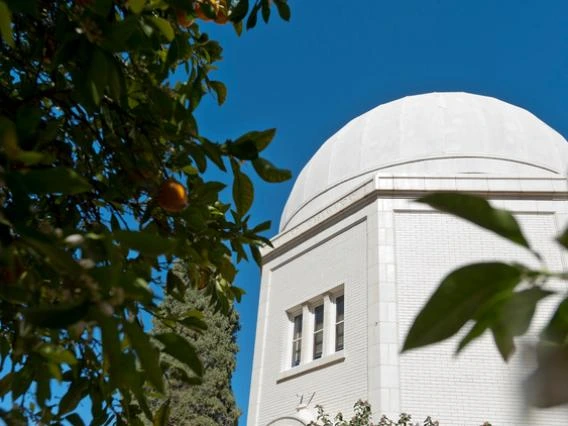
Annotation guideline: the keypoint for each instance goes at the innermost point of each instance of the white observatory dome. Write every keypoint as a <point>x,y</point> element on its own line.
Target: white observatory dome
<point>436,134</point>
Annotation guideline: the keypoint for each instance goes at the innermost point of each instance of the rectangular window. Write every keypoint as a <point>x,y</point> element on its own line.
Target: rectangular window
<point>297,341</point>
<point>318,331</point>
<point>339,308</point>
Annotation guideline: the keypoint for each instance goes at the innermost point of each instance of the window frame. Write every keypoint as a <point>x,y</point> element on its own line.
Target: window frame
<point>338,323</point>
<point>297,340</point>
<point>326,303</point>
<point>318,333</point>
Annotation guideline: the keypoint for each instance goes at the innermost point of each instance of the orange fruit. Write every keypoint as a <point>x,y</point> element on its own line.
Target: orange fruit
<point>219,7</point>
<point>172,196</point>
<point>183,19</point>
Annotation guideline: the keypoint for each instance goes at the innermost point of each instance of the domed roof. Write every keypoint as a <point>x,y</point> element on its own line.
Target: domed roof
<point>432,134</point>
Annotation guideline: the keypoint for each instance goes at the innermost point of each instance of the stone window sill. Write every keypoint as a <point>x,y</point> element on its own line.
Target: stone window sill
<point>301,369</point>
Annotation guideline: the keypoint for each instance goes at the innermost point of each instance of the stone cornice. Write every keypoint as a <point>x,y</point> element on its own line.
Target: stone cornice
<point>497,187</point>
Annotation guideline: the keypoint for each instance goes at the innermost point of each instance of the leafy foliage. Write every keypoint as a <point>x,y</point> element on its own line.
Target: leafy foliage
<point>209,402</point>
<point>91,126</point>
<point>363,417</point>
<point>498,297</point>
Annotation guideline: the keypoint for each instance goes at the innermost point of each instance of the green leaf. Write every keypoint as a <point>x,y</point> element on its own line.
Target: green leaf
<point>557,328</point>
<point>161,416</point>
<point>478,211</point>
<point>514,317</point>
<point>213,152</point>
<point>256,255</point>
<point>5,348</point>
<point>116,82</point>
<point>194,323</point>
<point>56,316</point>
<point>145,242</point>
<point>111,342</point>
<point>238,26</point>
<point>563,239</point>
<point>476,331</point>
<point>43,383</point>
<point>180,349</point>
<point>221,91</point>
<point>243,192</point>
<point>28,7</point>
<point>485,317</point>
<point>73,396</point>
<point>27,121</point>
<point>174,283</point>
<point>163,26</point>
<point>74,420</point>
<point>57,354</point>
<point>503,341</point>
<point>460,295</point>
<point>237,292</point>
<point>227,269</point>
<point>253,17</point>
<point>118,35</point>
<point>264,226</point>
<point>6,384</point>
<point>57,180</point>
<point>260,138</point>
<point>283,9</point>
<point>9,137</point>
<point>22,380</point>
<point>14,417</point>
<point>143,403</point>
<point>100,7</point>
<point>243,150</point>
<point>517,312</point>
<point>147,353</point>
<point>44,246</point>
<point>239,12</point>
<point>508,314</point>
<point>136,6</point>
<point>6,24</point>
<point>97,78</point>
<point>29,158</point>
<point>265,10</point>
<point>268,172</point>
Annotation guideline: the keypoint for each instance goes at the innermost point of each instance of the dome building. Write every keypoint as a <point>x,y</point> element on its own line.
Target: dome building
<point>356,258</point>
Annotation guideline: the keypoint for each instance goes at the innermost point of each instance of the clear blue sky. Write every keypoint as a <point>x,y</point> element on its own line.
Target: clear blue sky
<point>337,59</point>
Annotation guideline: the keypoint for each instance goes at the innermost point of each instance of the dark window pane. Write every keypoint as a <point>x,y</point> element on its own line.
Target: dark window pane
<point>339,337</point>
<point>296,352</point>
<point>339,309</point>
<point>297,341</point>
<point>318,345</point>
<point>297,326</point>
<point>318,313</point>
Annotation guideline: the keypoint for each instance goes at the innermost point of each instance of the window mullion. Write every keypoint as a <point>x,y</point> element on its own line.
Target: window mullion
<point>307,334</point>
<point>328,325</point>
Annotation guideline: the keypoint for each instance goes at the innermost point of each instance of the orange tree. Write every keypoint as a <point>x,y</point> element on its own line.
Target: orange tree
<point>102,187</point>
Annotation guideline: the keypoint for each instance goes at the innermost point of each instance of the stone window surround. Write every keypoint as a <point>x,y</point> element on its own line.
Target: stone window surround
<point>306,309</point>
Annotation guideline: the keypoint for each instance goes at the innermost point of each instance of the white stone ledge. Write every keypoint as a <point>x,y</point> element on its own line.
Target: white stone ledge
<point>323,362</point>
<point>413,186</point>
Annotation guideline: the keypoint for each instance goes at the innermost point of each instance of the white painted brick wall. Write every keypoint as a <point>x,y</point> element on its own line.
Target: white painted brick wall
<point>477,385</point>
<point>340,260</point>
<point>389,263</point>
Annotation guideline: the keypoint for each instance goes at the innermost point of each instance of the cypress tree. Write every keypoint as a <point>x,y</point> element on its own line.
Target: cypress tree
<point>210,403</point>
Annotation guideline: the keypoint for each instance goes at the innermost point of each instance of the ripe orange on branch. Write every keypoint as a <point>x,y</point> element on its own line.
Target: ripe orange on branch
<point>218,7</point>
<point>183,18</point>
<point>172,196</point>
